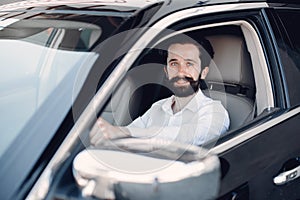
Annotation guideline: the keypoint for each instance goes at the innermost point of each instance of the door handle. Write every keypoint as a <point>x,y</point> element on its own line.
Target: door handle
<point>287,176</point>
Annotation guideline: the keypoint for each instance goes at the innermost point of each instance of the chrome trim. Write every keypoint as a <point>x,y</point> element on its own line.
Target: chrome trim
<point>254,131</point>
<point>288,176</point>
<point>264,95</point>
<point>87,119</point>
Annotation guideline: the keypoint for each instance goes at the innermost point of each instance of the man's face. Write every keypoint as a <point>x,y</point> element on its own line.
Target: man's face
<point>183,68</point>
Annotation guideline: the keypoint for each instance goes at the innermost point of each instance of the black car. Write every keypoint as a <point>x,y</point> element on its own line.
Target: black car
<point>65,63</point>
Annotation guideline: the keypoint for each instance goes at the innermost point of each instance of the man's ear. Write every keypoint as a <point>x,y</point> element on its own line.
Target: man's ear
<point>166,71</point>
<point>204,72</point>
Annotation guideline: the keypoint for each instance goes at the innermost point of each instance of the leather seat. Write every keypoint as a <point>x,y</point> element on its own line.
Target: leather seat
<point>117,111</point>
<point>230,78</point>
<point>141,87</point>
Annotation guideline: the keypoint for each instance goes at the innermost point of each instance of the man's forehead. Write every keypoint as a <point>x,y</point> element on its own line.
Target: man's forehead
<point>186,51</point>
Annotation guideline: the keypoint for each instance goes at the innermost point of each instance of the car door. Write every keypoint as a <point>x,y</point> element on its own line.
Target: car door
<point>261,149</point>
<point>252,165</point>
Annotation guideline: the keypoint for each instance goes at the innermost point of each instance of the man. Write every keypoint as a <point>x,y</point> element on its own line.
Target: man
<point>188,116</point>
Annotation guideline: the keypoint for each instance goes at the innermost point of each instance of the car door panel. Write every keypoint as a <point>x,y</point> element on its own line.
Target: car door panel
<point>257,161</point>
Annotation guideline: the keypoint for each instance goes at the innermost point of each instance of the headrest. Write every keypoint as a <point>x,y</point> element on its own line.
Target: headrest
<point>231,63</point>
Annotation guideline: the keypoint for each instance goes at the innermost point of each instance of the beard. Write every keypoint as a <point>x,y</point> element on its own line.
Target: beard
<point>183,91</point>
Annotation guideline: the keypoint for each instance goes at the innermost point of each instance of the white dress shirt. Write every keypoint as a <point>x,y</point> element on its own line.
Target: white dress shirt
<point>201,120</point>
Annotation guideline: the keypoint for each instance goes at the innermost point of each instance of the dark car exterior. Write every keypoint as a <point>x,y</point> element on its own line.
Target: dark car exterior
<point>64,53</point>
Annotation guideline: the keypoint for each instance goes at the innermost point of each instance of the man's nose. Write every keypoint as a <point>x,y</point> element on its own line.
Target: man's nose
<point>181,68</point>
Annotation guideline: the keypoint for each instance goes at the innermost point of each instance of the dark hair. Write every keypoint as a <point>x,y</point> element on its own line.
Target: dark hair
<point>204,46</point>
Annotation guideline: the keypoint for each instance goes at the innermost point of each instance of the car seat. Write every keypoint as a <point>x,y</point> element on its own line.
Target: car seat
<point>117,111</point>
<point>230,78</point>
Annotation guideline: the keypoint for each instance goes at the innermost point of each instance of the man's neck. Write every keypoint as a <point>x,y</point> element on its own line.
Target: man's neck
<point>180,102</point>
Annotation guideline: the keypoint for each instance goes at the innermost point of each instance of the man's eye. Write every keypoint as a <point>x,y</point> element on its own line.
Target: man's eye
<point>173,64</point>
<point>190,64</point>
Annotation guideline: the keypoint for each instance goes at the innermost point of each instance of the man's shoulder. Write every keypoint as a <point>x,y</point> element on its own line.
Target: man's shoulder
<point>161,105</point>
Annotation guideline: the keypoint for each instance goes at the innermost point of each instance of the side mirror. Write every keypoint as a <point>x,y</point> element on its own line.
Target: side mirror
<point>147,169</point>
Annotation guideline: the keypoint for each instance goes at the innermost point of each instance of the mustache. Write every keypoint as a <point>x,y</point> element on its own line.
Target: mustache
<point>185,78</point>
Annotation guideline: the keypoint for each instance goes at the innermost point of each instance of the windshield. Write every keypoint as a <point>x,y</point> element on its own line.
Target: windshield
<point>41,60</point>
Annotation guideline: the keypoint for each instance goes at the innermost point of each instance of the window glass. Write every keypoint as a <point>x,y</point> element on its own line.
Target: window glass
<point>290,22</point>
<point>290,55</point>
<point>41,60</point>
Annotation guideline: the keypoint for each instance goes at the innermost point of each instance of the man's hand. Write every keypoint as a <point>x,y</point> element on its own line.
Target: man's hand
<point>102,130</point>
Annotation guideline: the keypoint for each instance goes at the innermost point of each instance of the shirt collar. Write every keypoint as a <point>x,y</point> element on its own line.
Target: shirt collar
<point>167,105</point>
<point>194,105</point>
<point>196,102</point>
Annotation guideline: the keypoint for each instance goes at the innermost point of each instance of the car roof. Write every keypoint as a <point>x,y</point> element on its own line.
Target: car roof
<point>78,4</point>
<point>118,7</point>
<point>129,4</point>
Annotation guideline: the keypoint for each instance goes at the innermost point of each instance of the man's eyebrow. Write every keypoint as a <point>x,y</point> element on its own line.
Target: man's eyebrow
<point>173,59</point>
<point>190,60</point>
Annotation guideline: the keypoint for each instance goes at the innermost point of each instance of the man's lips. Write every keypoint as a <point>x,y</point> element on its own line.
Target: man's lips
<point>182,82</point>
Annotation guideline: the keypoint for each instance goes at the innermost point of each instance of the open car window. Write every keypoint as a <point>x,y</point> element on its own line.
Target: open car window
<point>238,76</point>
